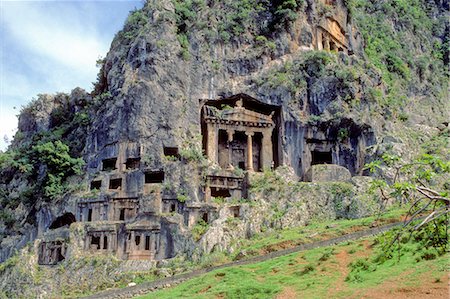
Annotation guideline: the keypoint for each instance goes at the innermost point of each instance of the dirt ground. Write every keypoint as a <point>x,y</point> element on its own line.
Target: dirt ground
<point>427,289</point>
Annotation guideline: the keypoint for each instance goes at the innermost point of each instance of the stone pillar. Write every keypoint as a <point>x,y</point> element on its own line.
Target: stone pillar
<point>133,242</point>
<point>114,243</point>
<point>63,249</point>
<point>249,151</point>
<point>152,248</point>
<point>157,237</point>
<point>102,241</point>
<point>267,149</point>
<point>105,211</point>
<point>211,142</point>
<point>80,213</point>
<point>327,43</point>
<point>207,192</point>
<point>230,149</point>
<point>319,39</point>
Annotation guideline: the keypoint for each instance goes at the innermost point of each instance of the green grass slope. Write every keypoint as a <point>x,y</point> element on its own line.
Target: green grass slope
<point>350,270</point>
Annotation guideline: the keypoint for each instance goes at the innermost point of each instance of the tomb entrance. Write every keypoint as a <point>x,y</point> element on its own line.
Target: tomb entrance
<point>64,220</point>
<point>51,252</point>
<point>239,136</point>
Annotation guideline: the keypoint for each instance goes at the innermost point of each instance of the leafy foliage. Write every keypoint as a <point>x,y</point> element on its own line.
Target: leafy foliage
<point>422,186</point>
<point>394,32</point>
<point>133,25</point>
<point>199,229</point>
<point>43,158</point>
<point>59,164</point>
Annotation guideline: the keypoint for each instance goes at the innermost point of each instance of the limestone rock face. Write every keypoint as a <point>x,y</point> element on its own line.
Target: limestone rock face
<point>149,99</point>
<point>159,182</point>
<point>327,173</point>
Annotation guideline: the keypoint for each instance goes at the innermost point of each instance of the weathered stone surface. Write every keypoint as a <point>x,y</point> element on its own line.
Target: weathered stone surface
<point>327,173</point>
<point>150,98</point>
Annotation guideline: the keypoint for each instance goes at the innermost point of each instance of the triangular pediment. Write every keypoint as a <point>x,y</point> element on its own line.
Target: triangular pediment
<point>242,114</point>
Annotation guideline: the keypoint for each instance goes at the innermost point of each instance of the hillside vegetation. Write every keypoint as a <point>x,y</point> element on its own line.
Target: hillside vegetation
<point>350,270</point>
<point>391,92</point>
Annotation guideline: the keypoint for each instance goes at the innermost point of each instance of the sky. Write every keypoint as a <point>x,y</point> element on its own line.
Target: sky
<point>52,46</point>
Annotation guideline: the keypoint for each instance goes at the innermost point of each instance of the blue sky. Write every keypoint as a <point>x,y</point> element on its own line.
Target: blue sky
<point>52,46</point>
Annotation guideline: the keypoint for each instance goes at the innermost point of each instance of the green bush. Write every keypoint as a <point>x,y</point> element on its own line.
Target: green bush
<point>7,217</point>
<point>393,46</point>
<point>184,43</point>
<point>199,229</point>
<point>285,12</point>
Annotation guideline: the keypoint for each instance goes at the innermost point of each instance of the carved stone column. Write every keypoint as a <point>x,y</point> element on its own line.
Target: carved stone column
<point>151,247</point>
<point>211,142</point>
<point>249,151</point>
<point>230,149</point>
<point>158,239</point>
<point>207,192</point>
<point>132,242</point>
<point>102,241</point>
<point>267,148</point>
<point>326,43</point>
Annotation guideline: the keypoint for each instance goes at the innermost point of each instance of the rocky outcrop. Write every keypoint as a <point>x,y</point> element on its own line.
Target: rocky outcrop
<point>144,136</point>
<point>327,173</point>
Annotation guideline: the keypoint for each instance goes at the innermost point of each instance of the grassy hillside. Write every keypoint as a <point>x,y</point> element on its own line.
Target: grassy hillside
<point>350,270</point>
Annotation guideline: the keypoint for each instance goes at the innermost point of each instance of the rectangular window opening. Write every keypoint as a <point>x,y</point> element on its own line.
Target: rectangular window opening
<point>96,185</point>
<point>133,163</point>
<point>105,242</point>
<point>89,215</point>
<point>147,242</point>
<point>115,184</point>
<point>205,217</point>
<point>95,241</point>
<point>122,215</point>
<point>235,212</point>
<point>171,152</point>
<point>153,177</point>
<point>220,192</point>
<point>109,164</point>
<point>321,158</point>
<point>137,240</point>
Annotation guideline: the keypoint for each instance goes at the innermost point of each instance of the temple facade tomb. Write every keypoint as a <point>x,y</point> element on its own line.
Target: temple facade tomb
<point>225,184</point>
<point>93,209</point>
<point>102,239</point>
<point>237,137</point>
<point>142,242</point>
<point>330,36</point>
<point>124,209</point>
<point>121,214</point>
<point>334,31</point>
<point>172,205</point>
<point>107,209</point>
<point>139,239</point>
<point>51,252</point>
<point>342,143</point>
<point>195,212</point>
<point>327,173</point>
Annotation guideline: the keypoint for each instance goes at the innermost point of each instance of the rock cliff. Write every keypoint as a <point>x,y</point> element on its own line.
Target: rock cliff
<point>126,170</point>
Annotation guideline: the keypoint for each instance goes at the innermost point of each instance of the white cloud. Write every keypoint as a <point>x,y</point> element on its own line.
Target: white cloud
<point>62,38</point>
<point>57,55</point>
<point>52,46</point>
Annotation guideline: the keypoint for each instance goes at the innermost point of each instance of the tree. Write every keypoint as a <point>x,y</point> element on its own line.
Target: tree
<point>417,185</point>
